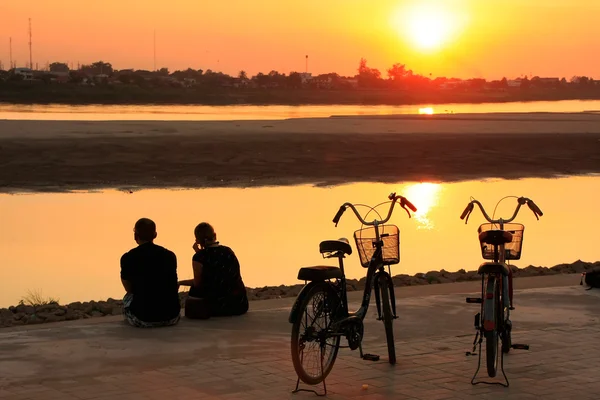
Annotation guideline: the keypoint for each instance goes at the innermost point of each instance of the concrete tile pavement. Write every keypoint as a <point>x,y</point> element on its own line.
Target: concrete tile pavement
<point>250,359</point>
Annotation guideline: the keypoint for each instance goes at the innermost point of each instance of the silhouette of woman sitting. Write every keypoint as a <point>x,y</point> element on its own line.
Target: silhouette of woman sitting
<point>217,288</point>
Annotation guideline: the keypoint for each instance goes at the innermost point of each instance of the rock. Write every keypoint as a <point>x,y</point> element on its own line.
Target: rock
<point>33,319</point>
<point>5,313</point>
<point>54,318</point>
<point>22,308</point>
<point>43,315</point>
<point>60,311</point>
<point>87,307</point>
<point>46,307</point>
<point>117,310</point>
<point>19,316</point>
<point>104,307</point>
<point>71,315</point>
<point>75,306</point>
<point>577,267</point>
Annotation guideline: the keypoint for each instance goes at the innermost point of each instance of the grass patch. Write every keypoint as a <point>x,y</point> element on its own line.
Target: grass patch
<point>36,298</point>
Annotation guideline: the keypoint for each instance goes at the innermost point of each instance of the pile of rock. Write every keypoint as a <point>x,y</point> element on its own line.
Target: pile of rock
<point>429,278</point>
<point>53,312</point>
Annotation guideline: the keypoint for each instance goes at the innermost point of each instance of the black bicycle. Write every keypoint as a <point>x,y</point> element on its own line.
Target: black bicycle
<point>320,315</point>
<point>500,241</point>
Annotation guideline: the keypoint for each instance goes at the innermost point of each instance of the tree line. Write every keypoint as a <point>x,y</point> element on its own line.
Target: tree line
<point>398,76</point>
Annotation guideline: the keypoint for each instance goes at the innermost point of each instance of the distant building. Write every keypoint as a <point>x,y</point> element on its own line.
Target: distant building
<point>322,82</point>
<point>26,73</point>
<point>306,77</point>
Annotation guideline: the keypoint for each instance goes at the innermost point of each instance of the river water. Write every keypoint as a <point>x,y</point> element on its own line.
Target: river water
<point>213,113</point>
<point>68,245</point>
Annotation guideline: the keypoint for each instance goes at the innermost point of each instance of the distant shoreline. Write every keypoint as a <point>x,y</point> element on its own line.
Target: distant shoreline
<point>28,314</point>
<point>24,94</point>
<point>56,156</point>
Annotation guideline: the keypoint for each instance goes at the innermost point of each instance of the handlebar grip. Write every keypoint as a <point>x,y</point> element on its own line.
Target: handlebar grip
<point>468,209</point>
<point>533,207</point>
<point>409,204</point>
<point>337,217</point>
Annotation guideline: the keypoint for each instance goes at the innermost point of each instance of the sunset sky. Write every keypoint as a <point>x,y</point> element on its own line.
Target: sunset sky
<point>462,38</point>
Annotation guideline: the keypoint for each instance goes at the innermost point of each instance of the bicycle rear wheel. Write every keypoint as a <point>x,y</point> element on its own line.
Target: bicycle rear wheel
<point>388,318</point>
<point>314,348</point>
<point>490,311</point>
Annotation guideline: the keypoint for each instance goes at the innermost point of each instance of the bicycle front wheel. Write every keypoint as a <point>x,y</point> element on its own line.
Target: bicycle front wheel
<point>490,311</point>
<point>314,347</point>
<point>388,318</point>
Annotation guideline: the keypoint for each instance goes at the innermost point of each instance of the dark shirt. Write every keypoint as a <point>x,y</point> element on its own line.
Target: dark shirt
<point>221,280</point>
<point>152,272</point>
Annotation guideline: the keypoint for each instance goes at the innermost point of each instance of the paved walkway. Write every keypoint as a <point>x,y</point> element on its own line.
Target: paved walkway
<point>249,357</point>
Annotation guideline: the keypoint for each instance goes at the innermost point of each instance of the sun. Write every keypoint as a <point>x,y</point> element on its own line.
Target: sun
<point>428,27</point>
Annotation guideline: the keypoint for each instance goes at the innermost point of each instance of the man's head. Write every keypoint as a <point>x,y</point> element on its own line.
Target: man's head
<point>205,234</point>
<point>144,230</point>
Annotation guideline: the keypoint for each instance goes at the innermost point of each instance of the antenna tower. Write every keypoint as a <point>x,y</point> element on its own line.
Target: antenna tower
<point>30,54</point>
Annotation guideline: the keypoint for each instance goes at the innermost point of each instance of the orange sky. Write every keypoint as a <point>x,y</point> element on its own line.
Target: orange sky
<point>486,38</point>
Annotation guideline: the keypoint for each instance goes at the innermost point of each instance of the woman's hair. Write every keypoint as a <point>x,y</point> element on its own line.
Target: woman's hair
<point>205,233</point>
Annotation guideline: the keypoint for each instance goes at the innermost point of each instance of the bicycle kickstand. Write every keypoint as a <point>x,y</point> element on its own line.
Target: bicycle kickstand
<point>473,382</point>
<point>297,389</point>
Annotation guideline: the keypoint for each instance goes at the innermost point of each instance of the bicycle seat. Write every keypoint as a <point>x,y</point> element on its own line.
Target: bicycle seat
<point>493,268</point>
<point>319,273</point>
<point>330,246</point>
<point>496,237</point>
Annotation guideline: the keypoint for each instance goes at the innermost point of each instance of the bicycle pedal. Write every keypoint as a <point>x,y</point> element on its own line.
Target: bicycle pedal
<point>469,353</point>
<point>371,357</point>
<point>511,308</point>
<point>520,346</point>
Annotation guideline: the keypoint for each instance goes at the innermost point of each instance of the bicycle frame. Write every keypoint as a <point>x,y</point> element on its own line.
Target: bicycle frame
<point>374,271</point>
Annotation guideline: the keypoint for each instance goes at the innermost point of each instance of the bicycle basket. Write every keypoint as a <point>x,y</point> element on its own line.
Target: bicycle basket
<point>512,250</point>
<point>365,243</point>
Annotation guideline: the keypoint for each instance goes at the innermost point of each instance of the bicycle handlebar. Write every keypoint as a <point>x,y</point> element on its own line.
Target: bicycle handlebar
<point>521,201</point>
<point>403,203</point>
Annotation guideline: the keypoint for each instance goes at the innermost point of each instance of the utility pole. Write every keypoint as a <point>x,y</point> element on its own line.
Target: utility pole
<point>10,52</point>
<point>155,50</point>
<point>306,64</point>
<point>30,54</point>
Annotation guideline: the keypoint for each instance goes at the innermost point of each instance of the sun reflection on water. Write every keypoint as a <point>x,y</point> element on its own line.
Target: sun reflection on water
<point>424,196</point>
